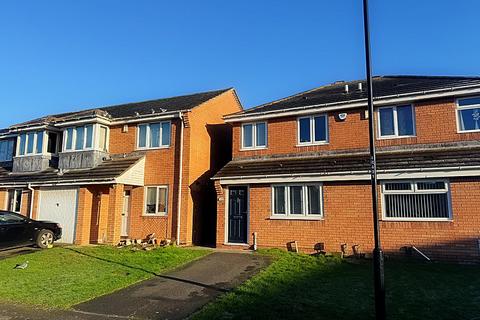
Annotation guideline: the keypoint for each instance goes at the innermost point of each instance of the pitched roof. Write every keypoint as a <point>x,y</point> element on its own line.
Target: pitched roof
<point>108,170</point>
<point>382,86</point>
<point>159,106</point>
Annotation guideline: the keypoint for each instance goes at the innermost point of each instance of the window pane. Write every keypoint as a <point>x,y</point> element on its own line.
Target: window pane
<point>30,140</point>
<point>39,148</point>
<point>89,142</point>
<point>80,137</point>
<point>3,150</point>
<point>10,144</point>
<point>320,128</point>
<point>23,141</point>
<point>69,143</point>
<point>470,119</point>
<point>469,101</point>
<point>103,139</point>
<point>154,135</point>
<point>386,122</point>
<point>416,205</point>
<point>151,204</point>
<point>392,186</point>
<point>142,136</point>
<point>162,200</point>
<point>304,124</point>
<point>431,185</point>
<point>405,120</point>
<point>166,133</point>
<point>18,200</point>
<point>261,134</point>
<point>247,135</point>
<point>52,142</point>
<point>279,200</point>
<point>314,200</point>
<point>296,200</point>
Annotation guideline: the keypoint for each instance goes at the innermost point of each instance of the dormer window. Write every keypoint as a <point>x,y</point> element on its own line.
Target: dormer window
<point>6,150</point>
<point>87,137</point>
<point>30,143</point>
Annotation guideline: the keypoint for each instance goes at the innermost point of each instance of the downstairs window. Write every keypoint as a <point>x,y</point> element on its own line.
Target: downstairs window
<point>297,201</point>
<point>416,200</point>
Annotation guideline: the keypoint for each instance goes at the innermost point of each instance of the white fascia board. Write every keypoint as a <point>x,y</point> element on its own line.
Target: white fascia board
<point>148,118</point>
<point>359,103</point>
<point>354,176</point>
<point>100,120</point>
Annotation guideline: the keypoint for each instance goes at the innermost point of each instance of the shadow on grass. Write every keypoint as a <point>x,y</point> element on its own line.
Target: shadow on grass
<point>203,285</point>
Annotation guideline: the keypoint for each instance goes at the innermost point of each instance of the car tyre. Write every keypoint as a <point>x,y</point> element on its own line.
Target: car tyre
<point>44,239</point>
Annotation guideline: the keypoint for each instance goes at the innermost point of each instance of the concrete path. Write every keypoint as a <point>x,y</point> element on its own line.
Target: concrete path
<point>178,294</point>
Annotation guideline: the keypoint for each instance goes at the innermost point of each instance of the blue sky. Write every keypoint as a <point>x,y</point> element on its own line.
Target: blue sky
<point>59,56</point>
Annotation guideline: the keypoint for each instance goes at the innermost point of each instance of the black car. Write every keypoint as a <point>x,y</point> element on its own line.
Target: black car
<point>18,231</point>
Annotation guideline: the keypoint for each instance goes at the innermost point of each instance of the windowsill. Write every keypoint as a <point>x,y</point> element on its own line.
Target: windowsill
<point>156,215</point>
<point>395,137</point>
<point>468,131</point>
<point>416,220</point>
<point>321,143</point>
<point>253,148</point>
<point>155,148</point>
<point>82,150</point>
<point>296,218</point>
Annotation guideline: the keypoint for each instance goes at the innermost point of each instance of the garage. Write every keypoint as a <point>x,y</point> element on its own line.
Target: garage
<point>60,206</point>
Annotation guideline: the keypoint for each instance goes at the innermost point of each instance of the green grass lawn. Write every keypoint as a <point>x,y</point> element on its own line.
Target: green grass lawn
<point>64,276</point>
<point>305,287</point>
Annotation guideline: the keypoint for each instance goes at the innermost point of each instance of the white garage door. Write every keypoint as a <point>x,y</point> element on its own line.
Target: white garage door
<point>60,206</point>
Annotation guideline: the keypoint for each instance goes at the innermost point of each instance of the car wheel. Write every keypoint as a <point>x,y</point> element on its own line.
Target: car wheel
<point>44,239</point>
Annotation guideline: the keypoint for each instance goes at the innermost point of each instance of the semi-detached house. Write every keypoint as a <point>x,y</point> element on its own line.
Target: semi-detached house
<point>120,171</point>
<point>300,169</point>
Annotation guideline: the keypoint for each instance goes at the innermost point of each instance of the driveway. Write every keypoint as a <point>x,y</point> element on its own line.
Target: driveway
<point>16,252</point>
<point>174,295</point>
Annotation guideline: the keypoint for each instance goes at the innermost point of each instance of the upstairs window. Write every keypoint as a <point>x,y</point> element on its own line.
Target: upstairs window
<point>297,201</point>
<point>254,135</point>
<point>30,143</point>
<point>468,114</point>
<point>416,200</point>
<point>79,138</point>
<point>154,135</point>
<point>6,150</point>
<point>396,122</point>
<point>313,130</point>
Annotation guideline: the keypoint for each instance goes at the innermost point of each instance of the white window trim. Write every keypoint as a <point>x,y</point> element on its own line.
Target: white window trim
<point>7,203</point>
<point>35,137</point>
<point>156,214</point>
<point>147,140</point>
<point>95,137</point>
<point>254,136</point>
<point>457,114</point>
<point>414,190</point>
<point>312,141</point>
<point>395,123</point>
<point>304,215</point>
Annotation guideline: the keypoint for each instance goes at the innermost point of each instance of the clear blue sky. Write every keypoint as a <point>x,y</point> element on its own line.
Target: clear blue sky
<point>66,55</point>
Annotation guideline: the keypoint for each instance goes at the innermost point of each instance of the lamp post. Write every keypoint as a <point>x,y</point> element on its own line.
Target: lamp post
<point>378,262</point>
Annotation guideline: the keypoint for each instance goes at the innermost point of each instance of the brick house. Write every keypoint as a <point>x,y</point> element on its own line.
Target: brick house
<point>300,169</point>
<point>121,171</point>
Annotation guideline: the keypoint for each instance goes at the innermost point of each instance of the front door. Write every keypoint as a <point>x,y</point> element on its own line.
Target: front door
<point>237,214</point>
<point>125,213</point>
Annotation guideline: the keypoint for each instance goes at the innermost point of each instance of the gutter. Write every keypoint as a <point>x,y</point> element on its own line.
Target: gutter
<point>180,174</point>
<point>32,194</point>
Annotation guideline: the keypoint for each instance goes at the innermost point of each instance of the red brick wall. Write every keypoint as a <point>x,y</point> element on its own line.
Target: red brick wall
<point>348,219</point>
<point>435,122</point>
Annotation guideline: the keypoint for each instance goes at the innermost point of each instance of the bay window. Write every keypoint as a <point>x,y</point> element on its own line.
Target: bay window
<point>468,114</point>
<point>87,137</point>
<point>154,135</point>
<point>313,129</point>
<point>156,200</point>
<point>254,135</point>
<point>416,200</point>
<point>30,143</point>
<point>396,122</point>
<point>6,149</point>
<point>297,201</point>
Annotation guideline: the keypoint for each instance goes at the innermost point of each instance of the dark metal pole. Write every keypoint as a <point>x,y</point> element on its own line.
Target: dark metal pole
<point>378,270</point>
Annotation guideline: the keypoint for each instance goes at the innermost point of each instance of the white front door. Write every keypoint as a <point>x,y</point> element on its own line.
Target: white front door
<point>60,206</point>
<point>125,213</point>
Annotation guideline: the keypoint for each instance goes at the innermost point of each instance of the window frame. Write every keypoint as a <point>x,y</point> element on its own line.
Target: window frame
<point>15,195</point>
<point>12,150</point>
<point>305,202</point>
<point>74,138</point>
<point>147,139</point>
<point>414,190</point>
<point>27,140</point>
<point>395,123</point>
<point>312,141</point>
<point>458,116</point>
<point>254,136</point>
<point>157,213</point>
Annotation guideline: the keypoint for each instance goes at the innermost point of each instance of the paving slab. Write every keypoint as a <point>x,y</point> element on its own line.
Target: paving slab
<point>180,293</point>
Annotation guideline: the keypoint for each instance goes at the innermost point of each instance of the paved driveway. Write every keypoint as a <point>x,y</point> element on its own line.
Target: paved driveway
<point>16,252</point>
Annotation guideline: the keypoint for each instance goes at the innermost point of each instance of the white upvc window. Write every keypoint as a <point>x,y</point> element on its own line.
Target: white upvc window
<point>14,200</point>
<point>86,137</point>
<point>468,114</point>
<point>254,135</point>
<point>154,135</point>
<point>396,122</point>
<point>156,200</point>
<point>297,201</point>
<point>312,130</point>
<point>30,143</point>
<point>416,200</point>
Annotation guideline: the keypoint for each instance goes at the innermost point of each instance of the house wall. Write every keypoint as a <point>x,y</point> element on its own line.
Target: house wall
<point>348,219</point>
<point>435,122</point>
